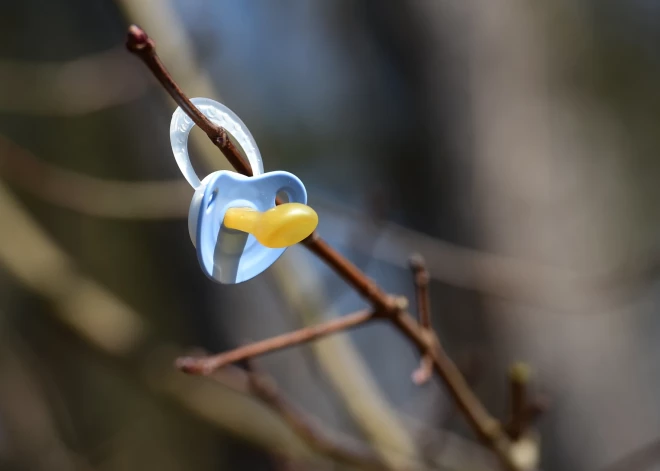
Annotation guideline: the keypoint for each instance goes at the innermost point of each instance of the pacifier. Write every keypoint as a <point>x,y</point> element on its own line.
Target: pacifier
<point>233,221</point>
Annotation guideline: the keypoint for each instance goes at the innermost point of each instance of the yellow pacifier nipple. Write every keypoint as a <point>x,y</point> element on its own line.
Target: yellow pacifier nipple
<point>279,227</point>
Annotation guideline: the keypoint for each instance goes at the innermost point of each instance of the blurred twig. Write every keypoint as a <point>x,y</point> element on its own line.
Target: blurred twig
<point>421,279</point>
<point>383,304</point>
<point>263,387</point>
<point>89,195</point>
<point>25,410</point>
<point>84,85</point>
<point>434,446</point>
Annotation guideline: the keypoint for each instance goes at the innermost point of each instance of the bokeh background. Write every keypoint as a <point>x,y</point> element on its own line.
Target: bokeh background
<point>513,144</point>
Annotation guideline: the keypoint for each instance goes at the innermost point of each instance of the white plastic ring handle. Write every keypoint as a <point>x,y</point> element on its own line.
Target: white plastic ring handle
<point>219,114</point>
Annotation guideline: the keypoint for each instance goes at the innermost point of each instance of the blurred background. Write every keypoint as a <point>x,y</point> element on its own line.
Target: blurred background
<point>513,144</point>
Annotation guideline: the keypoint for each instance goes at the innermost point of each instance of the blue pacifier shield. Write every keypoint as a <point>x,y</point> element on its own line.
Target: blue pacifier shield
<point>227,255</point>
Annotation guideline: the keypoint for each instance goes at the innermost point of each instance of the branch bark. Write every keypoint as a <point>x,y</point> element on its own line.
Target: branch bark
<point>209,364</point>
<point>144,47</point>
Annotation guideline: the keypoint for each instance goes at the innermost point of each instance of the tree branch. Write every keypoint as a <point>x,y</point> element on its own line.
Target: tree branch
<point>523,411</point>
<point>388,307</point>
<point>207,365</point>
<point>140,44</point>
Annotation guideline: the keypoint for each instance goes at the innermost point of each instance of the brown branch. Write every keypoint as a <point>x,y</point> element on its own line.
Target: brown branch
<point>470,368</point>
<point>486,427</point>
<point>390,307</point>
<point>366,287</point>
<point>207,365</point>
<point>140,44</point>
<point>421,279</point>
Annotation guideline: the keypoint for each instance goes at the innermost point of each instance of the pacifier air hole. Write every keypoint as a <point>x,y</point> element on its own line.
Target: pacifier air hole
<point>283,195</point>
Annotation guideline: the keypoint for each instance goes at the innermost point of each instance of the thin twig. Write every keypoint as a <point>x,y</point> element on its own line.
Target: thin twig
<point>140,44</point>
<point>487,428</point>
<point>207,365</point>
<point>389,307</point>
<point>352,275</point>
<point>421,279</point>
<point>471,370</point>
